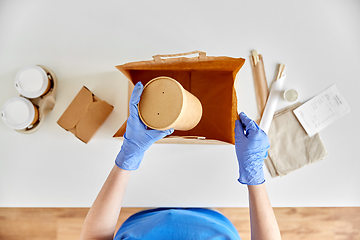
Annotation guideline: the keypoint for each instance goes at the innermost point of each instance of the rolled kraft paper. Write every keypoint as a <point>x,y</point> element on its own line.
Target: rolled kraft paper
<point>274,95</point>
<point>260,84</point>
<point>165,104</point>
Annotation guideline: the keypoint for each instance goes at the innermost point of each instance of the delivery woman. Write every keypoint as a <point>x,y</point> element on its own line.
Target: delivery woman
<point>251,144</point>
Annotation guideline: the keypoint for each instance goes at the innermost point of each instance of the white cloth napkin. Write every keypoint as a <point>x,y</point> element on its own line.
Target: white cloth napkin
<point>290,147</point>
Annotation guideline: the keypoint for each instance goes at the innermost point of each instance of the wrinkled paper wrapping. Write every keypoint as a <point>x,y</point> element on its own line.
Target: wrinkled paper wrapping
<point>290,147</point>
<point>260,83</point>
<point>274,95</point>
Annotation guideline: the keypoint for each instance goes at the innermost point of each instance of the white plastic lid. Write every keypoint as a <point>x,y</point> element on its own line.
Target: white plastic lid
<point>290,95</point>
<point>31,82</point>
<point>18,113</point>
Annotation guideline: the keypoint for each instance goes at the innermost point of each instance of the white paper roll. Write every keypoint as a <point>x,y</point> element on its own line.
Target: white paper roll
<point>270,108</point>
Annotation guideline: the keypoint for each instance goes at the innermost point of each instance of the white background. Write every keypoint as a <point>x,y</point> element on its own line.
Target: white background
<point>82,41</point>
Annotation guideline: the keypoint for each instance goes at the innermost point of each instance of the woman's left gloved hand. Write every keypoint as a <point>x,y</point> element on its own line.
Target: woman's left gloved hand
<point>137,138</point>
<point>251,145</point>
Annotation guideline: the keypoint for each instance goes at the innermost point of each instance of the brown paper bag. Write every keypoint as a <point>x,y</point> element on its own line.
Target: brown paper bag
<point>210,79</point>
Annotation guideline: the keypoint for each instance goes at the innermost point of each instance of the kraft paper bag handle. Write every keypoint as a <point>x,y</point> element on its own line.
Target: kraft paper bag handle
<point>202,55</point>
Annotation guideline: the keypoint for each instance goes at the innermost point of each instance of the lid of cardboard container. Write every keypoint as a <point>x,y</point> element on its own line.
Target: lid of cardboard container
<point>161,103</point>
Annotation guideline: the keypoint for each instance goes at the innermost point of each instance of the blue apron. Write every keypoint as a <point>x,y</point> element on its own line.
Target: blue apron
<point>177,223</point>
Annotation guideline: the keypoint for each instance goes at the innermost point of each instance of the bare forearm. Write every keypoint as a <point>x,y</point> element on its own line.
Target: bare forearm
<point>262,217</point>
<point>101,220</point>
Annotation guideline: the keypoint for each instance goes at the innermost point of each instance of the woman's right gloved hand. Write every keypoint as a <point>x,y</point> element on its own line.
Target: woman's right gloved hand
<point>251,145</point>
<point>137,138</point>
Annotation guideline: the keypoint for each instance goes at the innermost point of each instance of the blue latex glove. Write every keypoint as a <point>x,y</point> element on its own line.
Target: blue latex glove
<point>137,138</point>
<point>251,144</point>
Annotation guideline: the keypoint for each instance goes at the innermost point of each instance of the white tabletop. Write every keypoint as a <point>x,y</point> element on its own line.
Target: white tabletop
<point>82,41</point>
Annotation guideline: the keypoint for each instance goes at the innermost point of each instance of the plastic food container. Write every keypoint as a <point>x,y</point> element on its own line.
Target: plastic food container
<point>165,104</point>
<point>19,113</point>
<point>32,82</point>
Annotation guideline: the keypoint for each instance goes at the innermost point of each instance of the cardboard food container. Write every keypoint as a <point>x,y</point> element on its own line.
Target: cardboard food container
<point>85,114</point>
<point>210,79</point>
<point>165,104</point>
